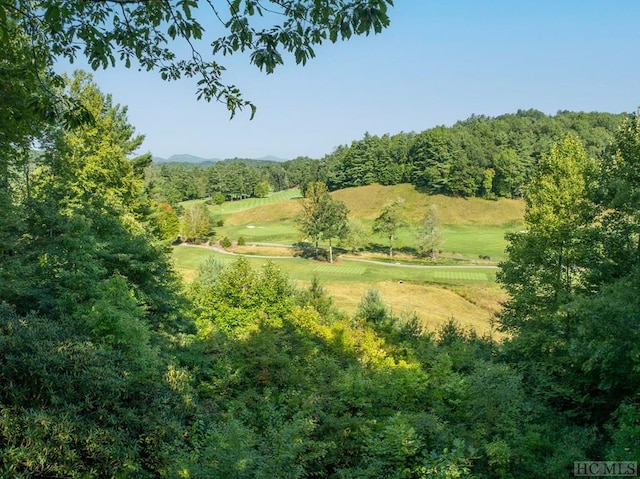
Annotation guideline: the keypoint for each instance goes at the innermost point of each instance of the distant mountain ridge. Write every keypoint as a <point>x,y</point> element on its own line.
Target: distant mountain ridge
<point>186,158</point>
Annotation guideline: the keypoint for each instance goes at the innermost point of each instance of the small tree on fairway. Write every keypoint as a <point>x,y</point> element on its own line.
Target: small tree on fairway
<point>335,224</point>
<point>262,189</point>
<point>429,236</point>
<point>218,198</point>
<point>322,216</point>
<point>310,221</point>
<point>225,242</point>
<point>390,220</point>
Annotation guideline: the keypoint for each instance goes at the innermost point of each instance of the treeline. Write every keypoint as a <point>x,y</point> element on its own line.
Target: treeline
<point>236,179</point>
<point>481,156</point>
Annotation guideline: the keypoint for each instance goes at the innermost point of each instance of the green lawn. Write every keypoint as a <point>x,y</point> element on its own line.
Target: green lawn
<point>474,240</point>
<point>469,241</point>
<point>231,207</point>
<point>283,231</point>
<point>187,259</point>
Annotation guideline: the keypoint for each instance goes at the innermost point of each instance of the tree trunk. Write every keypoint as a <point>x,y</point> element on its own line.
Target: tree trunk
<point>330,252</point>
<point>391,246</point>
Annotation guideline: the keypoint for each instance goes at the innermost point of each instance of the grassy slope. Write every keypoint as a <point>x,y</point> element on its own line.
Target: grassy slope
<point>366,202</point>
<point>470,227</point>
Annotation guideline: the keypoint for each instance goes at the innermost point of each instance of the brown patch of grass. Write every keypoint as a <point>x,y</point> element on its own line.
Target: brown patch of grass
<point>187,274</point>
<point>488,296</point>
<point>282,210</point>
<point>366,202</point>
<point>262,250</point>
<point>433,305</point>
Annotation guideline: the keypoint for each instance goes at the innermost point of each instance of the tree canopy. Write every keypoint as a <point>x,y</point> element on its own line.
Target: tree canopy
<point>572,278</point>
<point>480,156</point>
<point>390,220</point>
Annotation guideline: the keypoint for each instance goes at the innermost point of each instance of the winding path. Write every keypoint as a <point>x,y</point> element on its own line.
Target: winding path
<point>359,260</point>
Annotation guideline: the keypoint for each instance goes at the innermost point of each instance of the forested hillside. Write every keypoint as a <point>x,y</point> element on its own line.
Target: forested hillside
<point>480,156</point>
<point>111,367</point>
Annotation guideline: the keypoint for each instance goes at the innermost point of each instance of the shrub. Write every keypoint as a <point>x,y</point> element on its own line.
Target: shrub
<point>372,308</point>
<point>225,242</point>
<point>218,198</point>
<point>242,241</point>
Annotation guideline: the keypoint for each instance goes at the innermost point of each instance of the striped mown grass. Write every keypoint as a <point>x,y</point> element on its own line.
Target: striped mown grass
<point>231,207</point>
<point>189,258</point>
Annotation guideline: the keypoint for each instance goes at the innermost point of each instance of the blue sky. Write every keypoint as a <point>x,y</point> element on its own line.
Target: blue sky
<point>440,61</point>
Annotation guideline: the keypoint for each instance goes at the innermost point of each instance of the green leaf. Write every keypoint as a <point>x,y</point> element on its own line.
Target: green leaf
<point>172,31</point>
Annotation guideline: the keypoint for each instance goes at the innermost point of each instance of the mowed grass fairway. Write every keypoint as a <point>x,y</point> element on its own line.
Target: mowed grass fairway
<point>232,207</point>
<point>435,294</point>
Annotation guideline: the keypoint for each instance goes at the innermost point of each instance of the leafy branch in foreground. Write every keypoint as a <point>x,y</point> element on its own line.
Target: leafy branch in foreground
<point>145,32</point>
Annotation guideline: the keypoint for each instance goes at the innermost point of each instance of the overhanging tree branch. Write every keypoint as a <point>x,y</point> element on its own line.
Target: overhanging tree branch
<point>143,30</point>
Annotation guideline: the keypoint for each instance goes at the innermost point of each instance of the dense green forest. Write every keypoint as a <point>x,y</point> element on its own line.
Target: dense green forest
<point>111,367</point>
<point>480,156</point>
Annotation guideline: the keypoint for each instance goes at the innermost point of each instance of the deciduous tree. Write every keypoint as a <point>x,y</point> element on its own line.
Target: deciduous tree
<point>196,223</point>
<point>429,234</point>
<point>356,235</point>
<point>261,189</point>
<point>335,223</point>
<point>390,220</point>
<point>544,261</point>
<point>310,222</point>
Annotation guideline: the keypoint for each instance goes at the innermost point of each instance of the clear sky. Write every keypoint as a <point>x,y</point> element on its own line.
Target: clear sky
<point>439,62</point>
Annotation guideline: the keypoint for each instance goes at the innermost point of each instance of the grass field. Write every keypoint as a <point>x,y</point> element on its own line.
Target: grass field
<point>470,228</point>
<point>433,304</point>
<point>232,207</point>
<point>345,271</point>
<point>366,202</point>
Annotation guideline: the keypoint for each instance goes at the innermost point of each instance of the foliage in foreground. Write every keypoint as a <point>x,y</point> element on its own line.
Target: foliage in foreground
<point>108,369</point>
<point>573,277</point>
